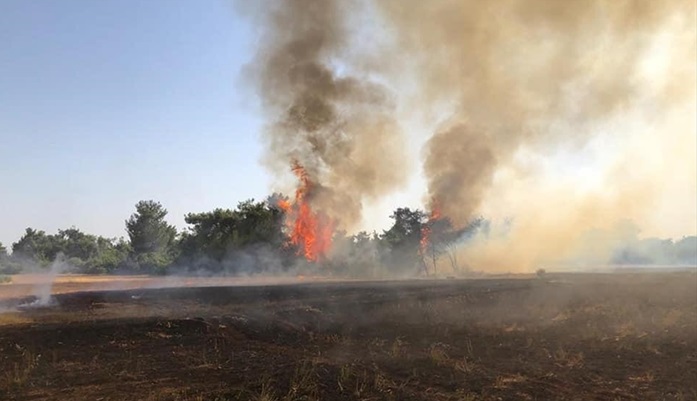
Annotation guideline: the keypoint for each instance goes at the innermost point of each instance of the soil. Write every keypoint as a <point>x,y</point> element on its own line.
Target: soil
<point>560,337</point>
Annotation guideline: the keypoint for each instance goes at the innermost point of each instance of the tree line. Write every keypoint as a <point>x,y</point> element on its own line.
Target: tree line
<point>253,238</point>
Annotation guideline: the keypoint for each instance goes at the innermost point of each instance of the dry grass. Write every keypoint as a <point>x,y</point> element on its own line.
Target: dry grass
<point>566,359</point>
<point>20,372</point>
<point>463,365</point>
<point>439,355</point>
<point>24,284</point>
<point>506,381</point>
<point>646,377</point>
<point>12,318</point>
<point>359,382</point>
<point>397,347</point>
<point>304,384</point>
<point>266,392</point>
<point>503,345</point>
<point>467,397</point>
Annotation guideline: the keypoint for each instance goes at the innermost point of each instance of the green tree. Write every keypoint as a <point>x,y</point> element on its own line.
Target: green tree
<point>686,251</point>
<point>205,244</point>
<point>217,237</point>
<point>357,255</point>
<point>259,223</point>
<point>7,265</point>
<point>84,252</point>
<point>76,244</point>
<point>37,247</point>
<point>152,239</point>
<point>403,240</point>
<point>111,256</point>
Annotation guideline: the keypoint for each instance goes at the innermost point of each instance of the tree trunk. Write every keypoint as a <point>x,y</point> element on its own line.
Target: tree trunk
<point>453,260</point>
<point>424,265</point>
<point>433,256</point>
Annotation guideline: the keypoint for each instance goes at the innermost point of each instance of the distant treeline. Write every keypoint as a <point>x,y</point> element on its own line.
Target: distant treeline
<point>253,238</point>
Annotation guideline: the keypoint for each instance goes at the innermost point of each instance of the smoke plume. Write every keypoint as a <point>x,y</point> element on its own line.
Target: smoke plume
<point>529,73</point>
<point>339,127</point>
<point>504,84</point>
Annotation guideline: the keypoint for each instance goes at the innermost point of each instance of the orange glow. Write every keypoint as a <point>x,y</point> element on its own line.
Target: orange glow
<point>284,205</point>
<point>310,231</point>
<point>426,229</point>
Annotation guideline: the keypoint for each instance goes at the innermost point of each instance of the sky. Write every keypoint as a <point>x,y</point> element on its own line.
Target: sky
<point>105,103</point>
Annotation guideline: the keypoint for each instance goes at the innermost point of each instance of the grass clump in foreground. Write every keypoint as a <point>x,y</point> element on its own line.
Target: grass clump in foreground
<point>5,279</point>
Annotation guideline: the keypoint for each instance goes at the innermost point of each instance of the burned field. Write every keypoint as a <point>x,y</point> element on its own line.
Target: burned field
<point>565,337</point>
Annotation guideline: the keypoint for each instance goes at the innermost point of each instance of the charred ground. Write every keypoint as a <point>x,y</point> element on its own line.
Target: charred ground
<point>564,337</point>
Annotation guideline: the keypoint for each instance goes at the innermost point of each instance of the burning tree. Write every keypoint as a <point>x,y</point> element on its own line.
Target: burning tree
<point>439,237</point>
<point>311,231</point>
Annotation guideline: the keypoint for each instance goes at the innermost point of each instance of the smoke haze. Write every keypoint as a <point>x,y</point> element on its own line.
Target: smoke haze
<point>340,128</point>
<point>535,73</point>
<point>566,116</point>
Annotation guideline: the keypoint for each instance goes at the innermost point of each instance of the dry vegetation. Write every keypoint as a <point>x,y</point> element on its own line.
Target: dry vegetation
<point>570,337</point>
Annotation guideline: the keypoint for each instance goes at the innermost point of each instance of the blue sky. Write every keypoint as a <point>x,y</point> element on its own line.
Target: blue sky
<point>104,103</point>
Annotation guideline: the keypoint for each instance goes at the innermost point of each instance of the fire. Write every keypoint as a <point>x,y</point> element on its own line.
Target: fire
<point>427,230</point>
<point>284,205</point>
<point>311,231</point>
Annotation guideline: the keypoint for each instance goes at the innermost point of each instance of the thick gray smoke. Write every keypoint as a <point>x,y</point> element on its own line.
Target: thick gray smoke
<point>339,127</point>
<point>504,78</point>
<point>453,183</point>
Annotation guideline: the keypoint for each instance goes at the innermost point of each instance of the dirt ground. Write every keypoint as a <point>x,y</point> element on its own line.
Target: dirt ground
<point>27,285</point>
<point>562,337</point>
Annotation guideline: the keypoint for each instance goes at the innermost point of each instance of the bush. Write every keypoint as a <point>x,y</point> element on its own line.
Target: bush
<point>106,262</point>
<point>9,266</point>
<point>5,279</point>
<point>153,263</point>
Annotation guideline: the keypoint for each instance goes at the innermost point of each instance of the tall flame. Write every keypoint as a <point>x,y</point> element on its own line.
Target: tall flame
<point>310,231</point>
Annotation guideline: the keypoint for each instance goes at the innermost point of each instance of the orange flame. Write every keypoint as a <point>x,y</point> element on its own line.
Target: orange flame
<point>426,230</point>
<point>310,231</point>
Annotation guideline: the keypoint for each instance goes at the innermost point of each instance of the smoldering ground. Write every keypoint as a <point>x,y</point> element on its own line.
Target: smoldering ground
<point>606,337</point>
<point>37,286</point>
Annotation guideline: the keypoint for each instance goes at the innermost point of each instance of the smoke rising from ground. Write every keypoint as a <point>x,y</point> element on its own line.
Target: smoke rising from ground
<point>532,73</point>
<point>504,83</point>
<point>340,127</point>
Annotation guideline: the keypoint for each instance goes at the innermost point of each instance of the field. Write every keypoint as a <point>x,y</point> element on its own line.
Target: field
<point>620,336</point>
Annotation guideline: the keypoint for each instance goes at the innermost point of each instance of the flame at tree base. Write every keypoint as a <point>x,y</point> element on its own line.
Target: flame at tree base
<point>427,230</point>
<point>310,231</point>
